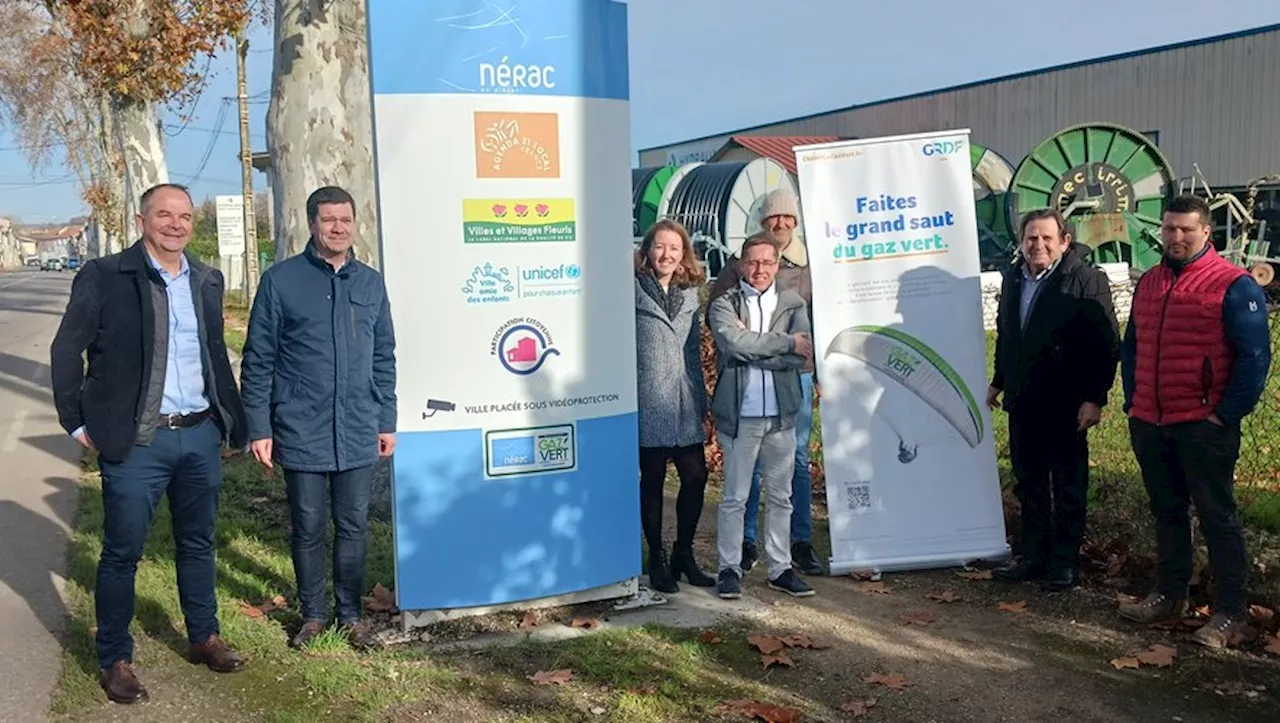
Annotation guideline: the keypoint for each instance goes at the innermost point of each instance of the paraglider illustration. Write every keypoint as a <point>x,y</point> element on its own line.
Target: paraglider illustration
<point>914,367</point>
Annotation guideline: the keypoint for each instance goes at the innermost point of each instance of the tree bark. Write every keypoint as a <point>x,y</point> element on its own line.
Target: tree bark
<point>137,127</point>
<point>138,134</point>
<point>319,123</point>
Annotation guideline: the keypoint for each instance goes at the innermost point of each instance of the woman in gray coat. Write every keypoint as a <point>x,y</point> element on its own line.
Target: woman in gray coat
<point>672,397</point>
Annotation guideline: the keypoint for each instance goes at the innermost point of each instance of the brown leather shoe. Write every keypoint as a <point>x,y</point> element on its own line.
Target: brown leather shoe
<point>216,654</point>
<point>361,636</point>
<point>309,631</point>
<point>121,684</point>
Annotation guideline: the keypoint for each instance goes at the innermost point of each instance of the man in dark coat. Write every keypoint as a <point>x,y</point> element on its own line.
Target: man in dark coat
<point>1057,347</point>
<point>319,383</point>
<point>157,401</point>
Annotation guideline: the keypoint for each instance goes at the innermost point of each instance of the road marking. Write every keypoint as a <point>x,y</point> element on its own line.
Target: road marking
<point>15,431</point>
<point>15,282</point>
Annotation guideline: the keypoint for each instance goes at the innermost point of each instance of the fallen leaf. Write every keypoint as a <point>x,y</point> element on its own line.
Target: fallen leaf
<point>1158,655</point>
<point>877,588</point>
<point>975,575</point>
<point>766,644</point>
<point>585,623</point>
<point>1273,645</point>
<point>753,709</point>
<point>1263,617</point>
<point>944,597</point>
<point>597,710</point>
<point>259,500</point>
<point>895,681</point>
<point>646,690</point>
<point>922,617</point>
<point>803,641</point>
<point>1014,607</point>
<point>551,677</point>
<point>863,575</point>
<point>859,708</point>
<point>530,620</point>
<point>381,601</point>
<point>252,611</point>
<point>779,658</point>
<point>280,601</point>
<point>710,637</point>
<point>1121,663</point>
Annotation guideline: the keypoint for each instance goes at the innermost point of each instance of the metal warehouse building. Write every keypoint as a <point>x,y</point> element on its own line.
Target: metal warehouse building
<point>1213,102</point>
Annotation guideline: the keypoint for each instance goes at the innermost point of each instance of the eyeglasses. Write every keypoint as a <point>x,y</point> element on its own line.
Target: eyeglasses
<point>766,264</point>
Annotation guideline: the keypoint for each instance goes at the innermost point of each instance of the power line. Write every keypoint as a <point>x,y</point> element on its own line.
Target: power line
<point>204,83</point>
<point>213,141</point>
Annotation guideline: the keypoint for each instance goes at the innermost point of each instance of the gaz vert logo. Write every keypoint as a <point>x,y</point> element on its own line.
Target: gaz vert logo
<point>553,448</point>
<point>902,362</point>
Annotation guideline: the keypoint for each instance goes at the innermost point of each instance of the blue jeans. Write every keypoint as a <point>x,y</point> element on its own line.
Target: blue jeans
<point>347,494</point>
<point>801,481</point>
<point>186,464</point>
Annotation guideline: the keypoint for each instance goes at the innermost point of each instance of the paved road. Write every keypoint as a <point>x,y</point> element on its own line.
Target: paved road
<point>38,472</point>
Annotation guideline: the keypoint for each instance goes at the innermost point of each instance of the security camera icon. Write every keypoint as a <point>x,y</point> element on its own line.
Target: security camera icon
<point>437,405</point>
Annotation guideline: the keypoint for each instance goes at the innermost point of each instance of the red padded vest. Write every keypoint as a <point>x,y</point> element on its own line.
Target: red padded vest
<point>1184,358</point>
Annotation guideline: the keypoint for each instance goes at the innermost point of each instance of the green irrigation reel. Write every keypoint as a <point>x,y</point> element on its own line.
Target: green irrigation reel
<point>1109,181</point>
<point>992,175</point>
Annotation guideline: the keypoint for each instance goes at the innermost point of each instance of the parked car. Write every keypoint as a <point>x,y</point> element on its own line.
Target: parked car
<point>53,265</point>
<point>73,263</point>
<point>34,263</point>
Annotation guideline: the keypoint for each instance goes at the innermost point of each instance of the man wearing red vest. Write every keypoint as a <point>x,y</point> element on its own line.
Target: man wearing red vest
<point>1194,363</point>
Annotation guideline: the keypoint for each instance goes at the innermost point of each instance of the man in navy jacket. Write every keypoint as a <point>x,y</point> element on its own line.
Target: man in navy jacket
<point>318,382</point>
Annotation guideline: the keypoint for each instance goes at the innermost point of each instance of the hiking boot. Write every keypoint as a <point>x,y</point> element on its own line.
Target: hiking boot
<point>730,585</point>
<point>1217,633</point>
<point>790,583</point>
<point>121,685</point>
<point>805,558</point>
<point>749,557</point>
<point>683,563</point>
<point>660,576</point>
<point>311,629</point>
<point>1156,607</point>
<point>361,636</point>
<point>1025,571</point>
<point>215,653</point>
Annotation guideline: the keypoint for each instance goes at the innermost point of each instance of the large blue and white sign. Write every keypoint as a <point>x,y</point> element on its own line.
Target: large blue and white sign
<point>502,136</point>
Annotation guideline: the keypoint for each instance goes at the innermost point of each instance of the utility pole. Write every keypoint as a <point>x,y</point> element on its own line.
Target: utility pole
<point>246,168</point>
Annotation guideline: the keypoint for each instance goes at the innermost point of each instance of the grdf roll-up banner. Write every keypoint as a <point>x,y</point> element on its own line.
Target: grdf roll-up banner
<point>901,353</point>
<point>502,145</point>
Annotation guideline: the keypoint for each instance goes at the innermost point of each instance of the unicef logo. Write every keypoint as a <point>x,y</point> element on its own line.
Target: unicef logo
<point>572,271</point>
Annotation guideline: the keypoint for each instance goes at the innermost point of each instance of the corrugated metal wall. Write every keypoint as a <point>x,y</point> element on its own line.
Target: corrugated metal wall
<point>1216,104</point>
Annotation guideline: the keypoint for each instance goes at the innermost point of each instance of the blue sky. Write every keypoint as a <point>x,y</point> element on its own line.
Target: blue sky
<point>700,67</point>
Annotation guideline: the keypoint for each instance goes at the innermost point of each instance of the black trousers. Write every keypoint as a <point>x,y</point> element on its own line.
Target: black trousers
<point>1194,462</point>
<point>691,465</point>
<point>1051,468</point>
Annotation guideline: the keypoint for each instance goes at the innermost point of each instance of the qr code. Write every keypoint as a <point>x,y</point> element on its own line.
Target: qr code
<point>858,496</point>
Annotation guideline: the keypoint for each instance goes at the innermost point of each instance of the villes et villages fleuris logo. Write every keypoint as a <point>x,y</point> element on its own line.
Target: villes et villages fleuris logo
<point>506,220</point>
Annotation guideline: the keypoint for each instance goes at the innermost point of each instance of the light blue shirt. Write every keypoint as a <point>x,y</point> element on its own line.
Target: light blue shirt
<point>184,391</point>
<point>1031,285</point>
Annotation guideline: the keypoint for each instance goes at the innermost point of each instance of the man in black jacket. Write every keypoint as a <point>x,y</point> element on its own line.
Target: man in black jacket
<point>157,402</point>
<point>1057,347</point>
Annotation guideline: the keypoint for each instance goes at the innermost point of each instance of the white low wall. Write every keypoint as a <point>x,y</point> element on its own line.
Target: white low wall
<point>1121,293</point>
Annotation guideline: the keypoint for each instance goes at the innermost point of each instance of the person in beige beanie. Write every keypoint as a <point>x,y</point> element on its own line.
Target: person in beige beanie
<point>779,214</point>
